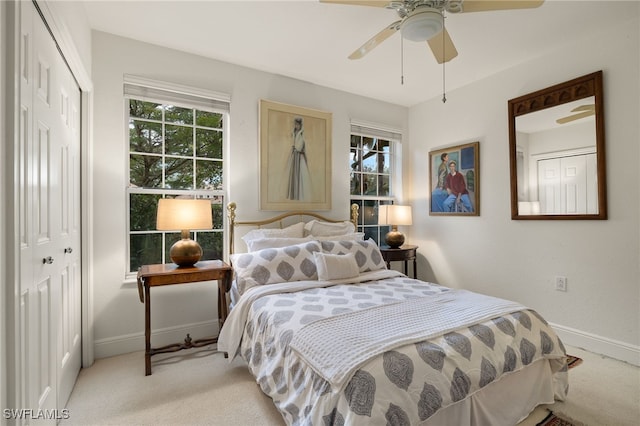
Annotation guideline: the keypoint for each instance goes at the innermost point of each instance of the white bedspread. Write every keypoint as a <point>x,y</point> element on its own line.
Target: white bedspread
<point>407,385</point>
<point>231,333</point>
<point>336,346</point>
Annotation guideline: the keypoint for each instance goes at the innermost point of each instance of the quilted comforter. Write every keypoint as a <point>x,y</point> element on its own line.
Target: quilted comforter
<point>407,382</point>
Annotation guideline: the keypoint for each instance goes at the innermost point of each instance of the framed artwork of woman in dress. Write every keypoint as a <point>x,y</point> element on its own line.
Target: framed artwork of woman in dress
<point>295,157</point>
<point>454,176</point>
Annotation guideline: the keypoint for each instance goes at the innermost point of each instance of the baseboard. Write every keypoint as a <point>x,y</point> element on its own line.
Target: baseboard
<point>598,344</point>
<point>135,342</point>
<point>119,345</point>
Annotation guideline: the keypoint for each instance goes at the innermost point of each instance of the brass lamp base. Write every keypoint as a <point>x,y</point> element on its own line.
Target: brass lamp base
<point>394,239</point>
<point>185,252</point>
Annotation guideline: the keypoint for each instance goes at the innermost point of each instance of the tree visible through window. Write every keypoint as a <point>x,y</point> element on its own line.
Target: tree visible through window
<point>371,163</point>
<point>174,151</point>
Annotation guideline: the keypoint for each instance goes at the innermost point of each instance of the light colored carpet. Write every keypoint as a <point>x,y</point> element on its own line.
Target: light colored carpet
<point>602,392</point>
<point>200,387</point>
<point>190,387</point>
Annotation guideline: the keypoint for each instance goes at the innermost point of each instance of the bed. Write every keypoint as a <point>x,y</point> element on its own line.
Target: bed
<point>334,337</point>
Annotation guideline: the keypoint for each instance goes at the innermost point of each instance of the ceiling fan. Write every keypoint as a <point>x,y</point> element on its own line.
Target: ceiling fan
<point>582,112</point>
<point>423,20</point>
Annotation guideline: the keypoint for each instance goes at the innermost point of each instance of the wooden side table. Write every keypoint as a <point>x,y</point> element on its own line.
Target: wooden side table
<point>168,274</point>
<point>403,253</point>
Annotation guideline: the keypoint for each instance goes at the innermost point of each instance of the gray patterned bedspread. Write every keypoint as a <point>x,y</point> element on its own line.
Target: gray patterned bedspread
<point>404,385</point>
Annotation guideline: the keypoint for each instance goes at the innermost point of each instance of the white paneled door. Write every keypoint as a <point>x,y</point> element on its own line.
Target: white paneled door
<point>568,185</point>
<point>48,311</point>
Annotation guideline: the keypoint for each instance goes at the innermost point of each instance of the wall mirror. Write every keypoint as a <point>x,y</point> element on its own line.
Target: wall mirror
<point>557,153</point>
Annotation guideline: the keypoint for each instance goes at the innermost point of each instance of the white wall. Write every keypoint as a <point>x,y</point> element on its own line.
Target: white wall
<point>4,136</point>
<point>573,136</point>
<point>519,259</point>
<point>119,315</point>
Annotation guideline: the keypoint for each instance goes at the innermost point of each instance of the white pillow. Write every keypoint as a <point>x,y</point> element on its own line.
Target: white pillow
<point>263,243</point>
<point>275,265</point>
<point>345,237</point>
<point>294,231</point>
<point>325,229</point>
<point>367,253</point>
<point>336,266</point>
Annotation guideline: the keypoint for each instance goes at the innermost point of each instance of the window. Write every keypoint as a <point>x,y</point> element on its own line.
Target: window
<point>372,160</point>
<point>176,149</point>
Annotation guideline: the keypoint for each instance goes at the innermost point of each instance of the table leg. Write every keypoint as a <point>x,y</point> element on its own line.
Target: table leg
<point>219,303</point>
<point>147,331</point>
<point>224,285</point>
<point>222,304</point>
<point>415,270</point>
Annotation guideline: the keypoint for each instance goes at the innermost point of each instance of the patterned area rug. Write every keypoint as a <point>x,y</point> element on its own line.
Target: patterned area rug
<point>573,361</point>
<point>552,419</point>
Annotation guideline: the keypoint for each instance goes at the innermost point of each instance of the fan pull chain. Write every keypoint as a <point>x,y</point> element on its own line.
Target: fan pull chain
<point>402,61</point>
<point>444,61</point>
<point>444,94</point>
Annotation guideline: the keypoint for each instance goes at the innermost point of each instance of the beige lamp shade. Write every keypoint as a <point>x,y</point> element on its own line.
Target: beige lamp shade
<point>176,214</point>
<point>528,207</point>
<point>394,215</point>
<point>180,214</point>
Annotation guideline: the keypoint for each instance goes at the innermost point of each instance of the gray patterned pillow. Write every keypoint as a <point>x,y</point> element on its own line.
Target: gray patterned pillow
<point>366,253</point>
<point>275,265</point>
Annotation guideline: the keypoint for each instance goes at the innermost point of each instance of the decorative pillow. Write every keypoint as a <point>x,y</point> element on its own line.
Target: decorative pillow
<point>275,265</point>
<point>294,231</point>
<point>346,237</point>
<point>325,229</point>
<point>263,243</point>
<point>366,253</point>
<point>336,266</point>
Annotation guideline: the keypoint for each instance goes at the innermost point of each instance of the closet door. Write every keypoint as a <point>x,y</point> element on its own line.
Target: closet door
<point>49,293</point>
<point>568,185</point>
<point>69,319</point>
<point>549,183</point>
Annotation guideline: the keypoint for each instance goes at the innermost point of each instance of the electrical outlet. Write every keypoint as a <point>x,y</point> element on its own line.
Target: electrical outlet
<point>561,283</point>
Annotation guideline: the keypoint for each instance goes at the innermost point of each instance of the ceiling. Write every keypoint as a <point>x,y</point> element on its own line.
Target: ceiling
<point>310,41</point>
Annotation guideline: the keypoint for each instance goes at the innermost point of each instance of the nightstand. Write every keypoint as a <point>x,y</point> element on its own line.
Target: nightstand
<point>404,253</point>
<point>168,274</point>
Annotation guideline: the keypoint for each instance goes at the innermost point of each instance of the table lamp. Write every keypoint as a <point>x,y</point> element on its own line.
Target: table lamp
<point>394,215</point>
<point>182,214</point>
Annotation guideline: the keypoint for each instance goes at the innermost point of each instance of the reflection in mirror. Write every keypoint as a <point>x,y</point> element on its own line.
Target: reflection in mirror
<point>556,139</point>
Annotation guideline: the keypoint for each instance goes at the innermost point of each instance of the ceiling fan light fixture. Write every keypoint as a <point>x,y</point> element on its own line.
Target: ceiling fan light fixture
<point>422,24</point>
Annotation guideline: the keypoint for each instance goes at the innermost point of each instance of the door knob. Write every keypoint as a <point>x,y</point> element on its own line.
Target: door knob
<point>47,260</point>
<point>68,250</point>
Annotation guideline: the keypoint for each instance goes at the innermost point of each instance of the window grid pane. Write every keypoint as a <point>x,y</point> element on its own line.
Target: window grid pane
<point>173,151</point>
<point>371,171</point>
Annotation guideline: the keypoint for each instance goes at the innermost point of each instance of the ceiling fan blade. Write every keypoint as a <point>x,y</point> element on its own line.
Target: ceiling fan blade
<point>570,118</point>
<point>375,40</point>
<point>373,3</point>
<point>484,5</point>
<point>590,107</point>
<point>442,47</point>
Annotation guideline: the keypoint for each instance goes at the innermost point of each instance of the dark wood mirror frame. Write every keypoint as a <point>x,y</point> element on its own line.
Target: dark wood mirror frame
<point>569,91</point>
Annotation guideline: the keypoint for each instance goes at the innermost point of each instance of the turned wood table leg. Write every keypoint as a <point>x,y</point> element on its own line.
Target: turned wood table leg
<point>147,331</point>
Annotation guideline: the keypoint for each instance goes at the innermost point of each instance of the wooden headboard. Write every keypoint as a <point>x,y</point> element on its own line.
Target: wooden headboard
<point>280,221</point>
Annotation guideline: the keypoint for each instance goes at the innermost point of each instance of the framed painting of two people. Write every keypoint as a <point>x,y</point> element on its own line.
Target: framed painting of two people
<point>454,180</point>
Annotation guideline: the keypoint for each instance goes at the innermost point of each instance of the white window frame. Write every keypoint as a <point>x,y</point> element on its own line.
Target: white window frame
<point>143,89</point>
<point>394,136</point>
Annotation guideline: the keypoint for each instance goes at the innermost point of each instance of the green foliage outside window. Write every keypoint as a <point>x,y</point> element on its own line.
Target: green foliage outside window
<point>173,151</point>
